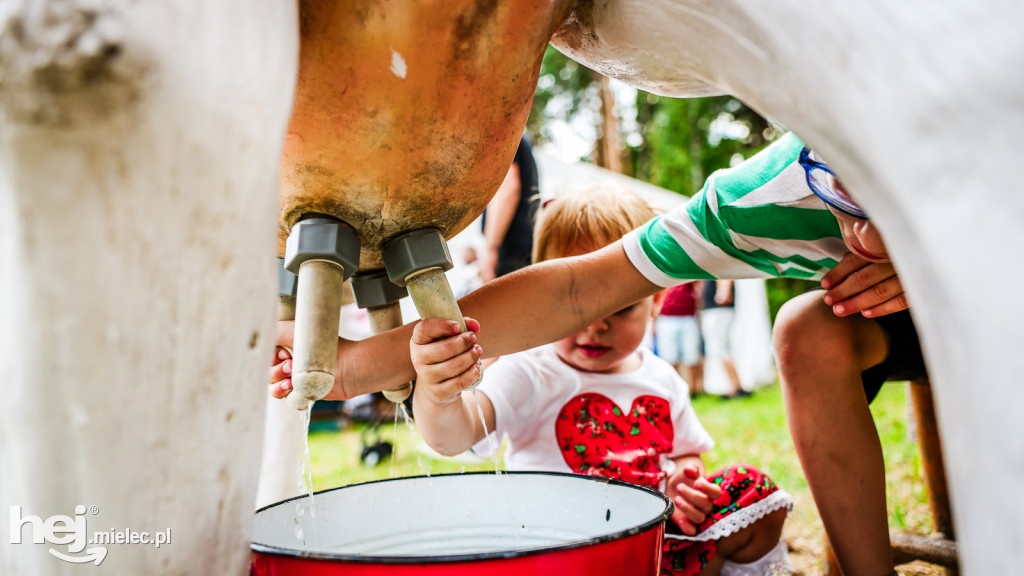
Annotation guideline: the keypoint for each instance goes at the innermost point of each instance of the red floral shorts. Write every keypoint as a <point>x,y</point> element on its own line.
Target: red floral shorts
<point>747,496</point>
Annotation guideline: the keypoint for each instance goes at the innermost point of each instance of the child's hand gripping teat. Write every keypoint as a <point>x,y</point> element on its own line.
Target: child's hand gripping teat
<point>446,358</point>
<point>417,260</point>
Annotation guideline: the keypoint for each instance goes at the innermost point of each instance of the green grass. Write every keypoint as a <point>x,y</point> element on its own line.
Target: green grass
<point>751,430</point>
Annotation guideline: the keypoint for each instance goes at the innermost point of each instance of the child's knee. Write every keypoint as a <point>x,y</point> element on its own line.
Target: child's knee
<point>770,528</point>
<point>813,345</point>
<point>806,330</point>
<point>756,540</point>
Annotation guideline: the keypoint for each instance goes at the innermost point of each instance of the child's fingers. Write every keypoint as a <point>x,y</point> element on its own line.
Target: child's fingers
<point>685,526</point>
<point>454,366</point>
<point>695,497</point>
<point>709,489</point>
<point>281,378</point>
<point>887,290</point>
<point>465,379</point>
<point>676,516</point>
<point>447,391</point>
<point>281,388</point>
<point>280,371</point>
<point>849,264</point>
<point>689,511</point>
<point>434,329</point>
<point>281,353</point>
<point>441,351</point>
<point>687,476</point>
<point>435,340</point>
<point>438,328</point>
<point>859,282</point>
<point>450,368</point>
<point>895,305</point>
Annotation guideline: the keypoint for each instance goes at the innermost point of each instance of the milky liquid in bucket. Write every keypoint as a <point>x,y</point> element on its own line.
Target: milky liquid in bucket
<point>464,523</point>
<point>456,541</point>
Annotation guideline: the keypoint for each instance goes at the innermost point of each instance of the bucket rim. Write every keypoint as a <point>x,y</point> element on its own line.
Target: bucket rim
<point>474,557</point>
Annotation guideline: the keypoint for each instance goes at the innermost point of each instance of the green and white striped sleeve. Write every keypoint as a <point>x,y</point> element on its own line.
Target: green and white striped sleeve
<point>756,220</point>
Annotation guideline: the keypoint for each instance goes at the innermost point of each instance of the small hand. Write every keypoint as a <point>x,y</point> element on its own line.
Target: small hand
<point>692,495</point>
<point>445,359</point>
<point>280,373</point>
<point>281,368</point>
<point>858,285</point>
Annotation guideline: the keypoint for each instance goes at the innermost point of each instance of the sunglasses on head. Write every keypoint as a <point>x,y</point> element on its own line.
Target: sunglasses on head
<point>825,185</point>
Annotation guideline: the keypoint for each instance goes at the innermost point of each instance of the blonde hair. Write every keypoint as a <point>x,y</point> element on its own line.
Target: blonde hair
<point>590,218</point>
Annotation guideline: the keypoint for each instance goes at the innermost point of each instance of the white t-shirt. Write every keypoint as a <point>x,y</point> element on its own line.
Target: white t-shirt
<point>560,419</point>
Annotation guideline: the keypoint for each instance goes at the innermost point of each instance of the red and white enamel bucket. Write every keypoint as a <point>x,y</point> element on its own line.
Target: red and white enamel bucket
<point>518,524</point>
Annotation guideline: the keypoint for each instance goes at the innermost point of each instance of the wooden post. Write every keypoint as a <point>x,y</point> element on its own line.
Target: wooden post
<point>930,444</point>
<point>832,567</point>
<point>609,152</point>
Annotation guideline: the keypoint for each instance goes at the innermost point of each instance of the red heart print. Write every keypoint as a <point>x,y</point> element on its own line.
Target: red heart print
<point>597,439</point>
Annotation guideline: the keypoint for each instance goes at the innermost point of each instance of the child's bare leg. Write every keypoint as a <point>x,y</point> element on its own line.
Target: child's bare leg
<point>749,544</point>
<point>821,357</point>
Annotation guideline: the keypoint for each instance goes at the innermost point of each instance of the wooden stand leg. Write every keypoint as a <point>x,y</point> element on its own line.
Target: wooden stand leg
<point>831,563</point>
<point>931,461</point>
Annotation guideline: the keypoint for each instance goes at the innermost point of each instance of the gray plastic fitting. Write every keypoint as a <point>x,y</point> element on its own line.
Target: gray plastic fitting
<point>287,283</point>
<point>373,289</point>
<point>322,239</point>
<point>414,251</point>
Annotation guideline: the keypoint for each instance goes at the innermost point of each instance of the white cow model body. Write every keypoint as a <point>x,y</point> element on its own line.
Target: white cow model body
<point>138,162</point>
<point>138,216</point>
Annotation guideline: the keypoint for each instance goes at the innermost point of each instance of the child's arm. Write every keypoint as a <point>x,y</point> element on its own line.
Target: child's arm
<point>856,285</point>
<point>446,363</point>
<point>533,306</point>
<point>691,493</point>
<point>547,301</point>
<point>362,369</point>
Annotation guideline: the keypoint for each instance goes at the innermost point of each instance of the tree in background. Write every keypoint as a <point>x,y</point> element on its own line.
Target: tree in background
<point>674,143</point>
<point>566,92</point>
<point>686,139</point>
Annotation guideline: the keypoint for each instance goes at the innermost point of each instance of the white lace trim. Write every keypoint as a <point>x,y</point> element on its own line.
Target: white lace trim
<point>740,519</point>
<point>774,563</point>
